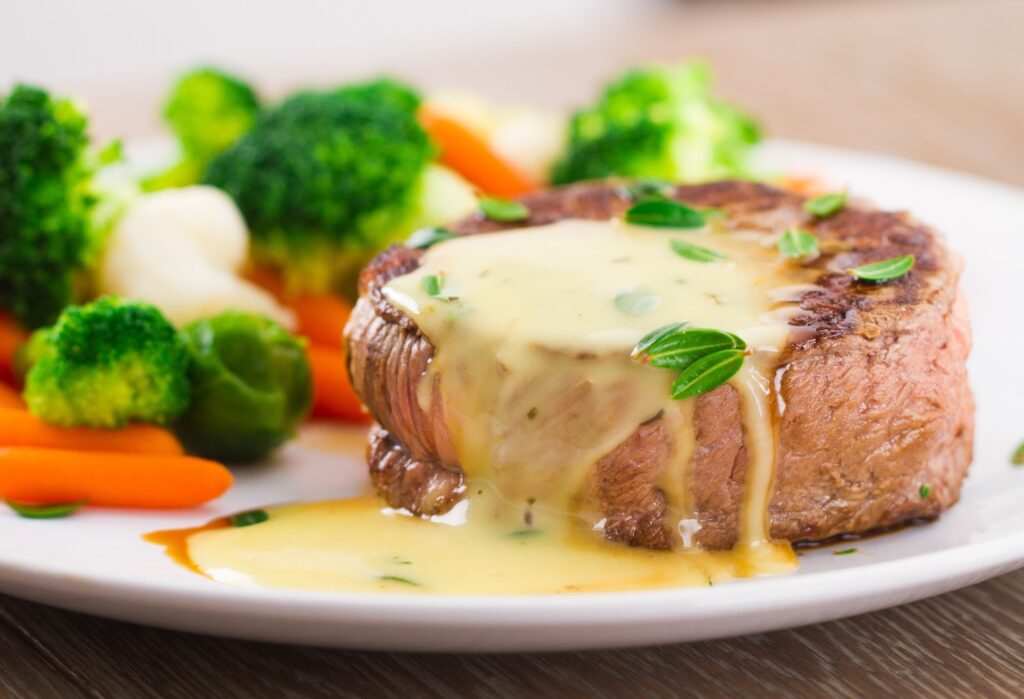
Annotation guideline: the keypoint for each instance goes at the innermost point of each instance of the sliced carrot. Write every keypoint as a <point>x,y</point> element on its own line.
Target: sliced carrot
<point>471,156</point>
<point>10,399</point>
<point>808,185</point>
<point>11,338</point>
<point>333,396</point>
<point>22,429</point>
<point>109,479</point>
<point>320,317</point>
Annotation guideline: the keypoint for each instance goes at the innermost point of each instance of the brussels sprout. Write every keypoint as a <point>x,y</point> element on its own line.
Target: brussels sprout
<point>251,387</point>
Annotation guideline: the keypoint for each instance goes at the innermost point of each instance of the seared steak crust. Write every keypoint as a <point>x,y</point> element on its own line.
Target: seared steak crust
<point>872,393</point>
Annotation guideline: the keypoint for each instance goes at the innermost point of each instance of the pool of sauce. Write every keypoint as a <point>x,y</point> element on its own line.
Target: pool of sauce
<point>534,380</point>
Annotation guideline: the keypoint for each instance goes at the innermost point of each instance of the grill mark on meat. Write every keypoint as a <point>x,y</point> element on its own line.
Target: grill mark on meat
<point>876,395</point>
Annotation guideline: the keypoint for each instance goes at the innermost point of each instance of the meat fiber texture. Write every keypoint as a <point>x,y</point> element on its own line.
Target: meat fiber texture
<point>872,395</point>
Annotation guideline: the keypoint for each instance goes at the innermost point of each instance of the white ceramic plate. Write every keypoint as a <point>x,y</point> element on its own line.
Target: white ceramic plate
<point>96,561</point>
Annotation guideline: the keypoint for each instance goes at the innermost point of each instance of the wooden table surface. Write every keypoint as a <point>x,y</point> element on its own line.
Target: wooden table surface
<point>936,81</point>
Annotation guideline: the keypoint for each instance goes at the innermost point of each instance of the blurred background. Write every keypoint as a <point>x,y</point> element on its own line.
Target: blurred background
<point>934,80</point>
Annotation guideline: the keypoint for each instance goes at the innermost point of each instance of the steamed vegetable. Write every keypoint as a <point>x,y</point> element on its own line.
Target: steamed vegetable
<point>470,155</point>
<point>107,364</point>
<point>183,250</point>
<point>659,121</point>
<point>324,179</point>
<point>10,399</point>
<point>12,337</point>
<point>29,352</point>
<point>18,428</point>
<point>251,387</point>
<point>208,110</point>
<point>109,479</point>
<point>525,137</point>
<point>45,203</point>
<point>333,395</point>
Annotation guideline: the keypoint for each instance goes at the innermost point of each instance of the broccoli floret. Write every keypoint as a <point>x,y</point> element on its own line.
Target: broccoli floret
<point>658,122</point>
<point>45,203</point>
<point>326,178</point>
<point>30,352</point>
<point>208,110</point>
<point>109,363</point>
<point>383,91</point>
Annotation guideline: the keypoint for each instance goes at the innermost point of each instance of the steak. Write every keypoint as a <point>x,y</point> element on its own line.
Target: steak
<point>875,417</point>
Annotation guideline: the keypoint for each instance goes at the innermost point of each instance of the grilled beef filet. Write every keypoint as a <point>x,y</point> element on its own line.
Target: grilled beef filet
<point>872,393</point>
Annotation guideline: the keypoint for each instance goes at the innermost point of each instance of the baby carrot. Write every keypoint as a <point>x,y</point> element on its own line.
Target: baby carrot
<point>10,399</point>
<point>21,429</point>
<point>471,156</point>
<point>11,337</point>
<point>109,479</point>
<point>333,396</point>
<point>321,317</point>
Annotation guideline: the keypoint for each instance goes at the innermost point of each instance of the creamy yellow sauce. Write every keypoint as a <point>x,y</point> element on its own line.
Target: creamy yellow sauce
<point>533,330</point>
<point>475,549</point>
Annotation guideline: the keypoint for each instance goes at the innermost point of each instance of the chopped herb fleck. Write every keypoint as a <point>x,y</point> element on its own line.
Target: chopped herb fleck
<point>664,213</point>
<point>884,271</point>
<point>925,490</point>
<point>432,286</point>
<point>398,579</point>
<point>636,303</point>
<point>826,204</point>
<point>428,237</point>
<point>247,519</point>
<point>531,413</point>
<point>56,511</point>
<point>797,243</point>
<point>647,188</point>
<point>524,534</point>
<point>845,552</point>
<point>503,210</point>
<point>695,252</point>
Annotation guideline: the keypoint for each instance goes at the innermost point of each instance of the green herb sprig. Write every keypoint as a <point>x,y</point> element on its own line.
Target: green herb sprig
<point>825,205</point>
<point>678,346</point>
<point>56,511</point>
<point>704,357</point>
<point>707,373</point>
<point>664,213</point>
<point>503,210</point>
<point>884,271</point>
<point>924,491</point>
<point>797,243</point>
